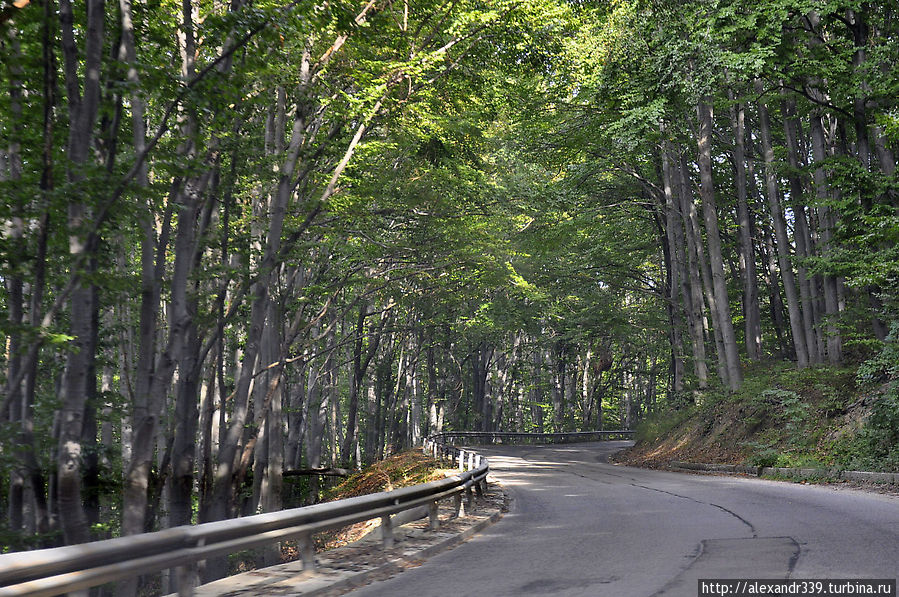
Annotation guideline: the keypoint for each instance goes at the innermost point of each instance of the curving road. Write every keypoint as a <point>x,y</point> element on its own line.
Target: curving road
<point>579,526</point>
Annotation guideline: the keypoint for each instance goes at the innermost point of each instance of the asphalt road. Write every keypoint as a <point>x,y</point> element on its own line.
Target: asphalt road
<point>579,526</point>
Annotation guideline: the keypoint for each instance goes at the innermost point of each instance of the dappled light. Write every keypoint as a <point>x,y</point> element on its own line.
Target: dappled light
<point>251,249</point>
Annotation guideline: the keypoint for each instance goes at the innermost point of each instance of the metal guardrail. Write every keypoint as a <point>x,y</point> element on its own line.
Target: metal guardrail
<point>55,571</point>
<point>512,437</point>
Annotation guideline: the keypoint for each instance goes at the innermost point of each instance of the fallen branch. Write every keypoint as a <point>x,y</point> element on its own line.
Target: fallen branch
<point>324,471</point>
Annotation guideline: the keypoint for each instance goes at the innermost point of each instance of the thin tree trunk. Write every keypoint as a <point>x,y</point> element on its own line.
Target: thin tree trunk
<point>83,111</point>
<point>537,394</point>
<point>823,191</point>
<point>705,289</point>
<point>710,213</point>
<point>361,362</point>
<point>792,133</point>
<point>673,271</point>
<point>333,390</point>
<point>15,291</point>
<point>693,284</point>
<point>775,302</point>
<point>751,314</point>
<point>780,231</point>
<point>825,227</point>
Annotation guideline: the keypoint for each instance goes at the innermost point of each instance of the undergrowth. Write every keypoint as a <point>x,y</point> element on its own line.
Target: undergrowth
<point>822,416</point>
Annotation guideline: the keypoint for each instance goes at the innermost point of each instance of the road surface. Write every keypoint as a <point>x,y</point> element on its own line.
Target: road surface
<point>579,526</point>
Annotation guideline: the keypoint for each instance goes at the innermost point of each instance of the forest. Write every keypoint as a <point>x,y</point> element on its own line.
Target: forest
<point>246,241</point>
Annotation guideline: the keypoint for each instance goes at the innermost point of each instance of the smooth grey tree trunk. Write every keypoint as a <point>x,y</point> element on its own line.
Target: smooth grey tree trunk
<point>84,103</point>
<point>673,269</point>
<point>807,289</point>
<point>693,262</point>
<point>825,227</point>
<point>710,213</point>
<point>705,273</point>
<point>780,231</point>
<point>822,192</point>
<point>751,313</point>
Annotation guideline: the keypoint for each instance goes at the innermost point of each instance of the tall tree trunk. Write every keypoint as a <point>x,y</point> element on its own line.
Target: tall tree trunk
<point>413,391</point>
<point>433,390</point>
<point>772,281</point>
<point>555,361</point>
<point>807,289</point>
<point>825,227</point>
<point>673,271</point>
<point>537,394</point>
<point>145,412</point>
<point>710,213</point>
<point>37,481</point>
<point>77,390</point>
<point>780,232</point>
<point>694,262</point>
<point>860,31</point>
<point>751,314</point>
<point>361,362</point>
<point>822,192</point>
<point>15,302</point>
<point>332,366</point>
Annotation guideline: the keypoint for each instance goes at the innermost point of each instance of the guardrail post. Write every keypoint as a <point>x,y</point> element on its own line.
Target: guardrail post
<point>461,460</point>
<point>433,515</point>
<point>185,576</point>
<point>469,498</point>
<point>387,531</point>
<point>457,505</point>
<point>307,551</point>
<point>470,460</point>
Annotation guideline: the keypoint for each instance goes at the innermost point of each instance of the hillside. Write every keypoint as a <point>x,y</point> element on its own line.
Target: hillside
<point>781,417</point>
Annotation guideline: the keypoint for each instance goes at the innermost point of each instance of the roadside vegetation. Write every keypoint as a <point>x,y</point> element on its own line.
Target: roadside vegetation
<point>829,417</point>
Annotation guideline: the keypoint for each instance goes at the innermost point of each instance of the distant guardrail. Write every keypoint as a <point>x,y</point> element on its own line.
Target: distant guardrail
<point>513,437</point>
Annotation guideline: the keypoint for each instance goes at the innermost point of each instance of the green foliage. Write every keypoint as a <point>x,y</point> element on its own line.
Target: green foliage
<point>876,445</point>
<point>761,454</point>
<point>885,365</point>
<point>783,407</point>
<point>659,425</point>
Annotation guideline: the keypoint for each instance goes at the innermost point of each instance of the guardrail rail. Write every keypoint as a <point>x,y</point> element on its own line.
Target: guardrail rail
<point>513,437</point>
<point>60,570</point>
